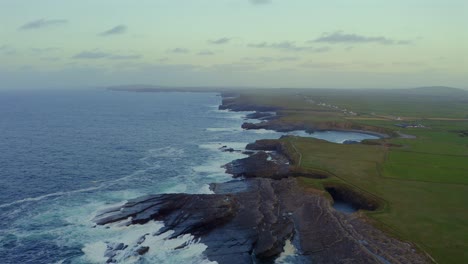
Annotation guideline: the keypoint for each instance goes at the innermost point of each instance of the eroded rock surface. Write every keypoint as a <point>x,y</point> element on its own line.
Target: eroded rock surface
<point>182,213</point>
<point>252,225</point>
<point>261,115</point>
<point>261,164</point>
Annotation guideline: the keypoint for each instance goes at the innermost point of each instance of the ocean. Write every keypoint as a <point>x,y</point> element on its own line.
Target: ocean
<point>67,155</point>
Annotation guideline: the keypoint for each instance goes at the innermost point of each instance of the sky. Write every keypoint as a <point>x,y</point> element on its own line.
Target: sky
<point>233,43</point>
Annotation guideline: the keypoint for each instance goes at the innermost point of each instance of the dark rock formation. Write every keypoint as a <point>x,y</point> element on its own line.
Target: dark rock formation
<point>226,149</point>
<point>261,115</point>
<point>142,250</point>
<point>250,220</point>
<point>264,144</point>
<point>278,148</point>
<point>260,164</point>
<point>350,142</point>
<point>357,200</point>
<point>279,124</point>
<point>275,125</point>
<point>237,104</point>
<point>207,212</point>
<point>252,226</point>
<point>462,133</point>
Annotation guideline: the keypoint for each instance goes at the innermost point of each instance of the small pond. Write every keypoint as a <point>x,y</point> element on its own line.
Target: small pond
<point>344,207</point>
<point>335,136</point>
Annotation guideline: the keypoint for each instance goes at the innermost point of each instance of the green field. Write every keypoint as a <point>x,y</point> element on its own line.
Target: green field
<point>421,183</point>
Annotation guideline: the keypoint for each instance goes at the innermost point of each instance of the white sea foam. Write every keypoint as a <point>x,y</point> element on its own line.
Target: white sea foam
<point>217,146</point>
<point>209,168</point>
<point>212,170</point>
<point>177,188</point>
<point>165,152</point>
<point>58,194</point>
<point>161,249</point>
<point>288,251</point>
<point>205,189</point>
<point>95,252</point>
<point>224,129</point>
<point>234,115</point>
<point>38,198</point>
<point>263,131</point>
<point>213,106</point>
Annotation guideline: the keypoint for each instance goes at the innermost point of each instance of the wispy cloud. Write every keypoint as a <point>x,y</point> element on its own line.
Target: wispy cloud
<point>44,50</point>
<point>117,30</point>
<point>341,65</point>
<point>270,59</point>
<point>179,50</point>
<point>50,59</point>
<point>287,46</point>
<point>91,55</point>
<point>163,60</point>
<point>260,2</point>
<point>205,53</point>
<point>323,65</point>
<point>7,50</point>
<point>409,63</point>
<point>340,37</point>
<point>220,41</point>
<point>234,67</point>
<point>96,54</point>
<point>125,57</point>
<point>43,23</point>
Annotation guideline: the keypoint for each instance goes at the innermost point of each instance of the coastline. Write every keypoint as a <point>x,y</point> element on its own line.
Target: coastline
<point>233,102</point>
<point>379,135</point>
<point>279,210</point>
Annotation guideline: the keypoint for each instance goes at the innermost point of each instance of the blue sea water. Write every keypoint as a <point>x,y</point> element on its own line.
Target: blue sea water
<point>66,155</point>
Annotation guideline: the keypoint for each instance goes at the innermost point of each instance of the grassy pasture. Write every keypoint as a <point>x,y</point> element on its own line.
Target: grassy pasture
<point>422,183</point>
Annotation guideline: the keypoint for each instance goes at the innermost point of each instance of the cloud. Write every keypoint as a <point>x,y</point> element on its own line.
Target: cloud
<point>43,23</point>
<point>287,46</point>
<point>409,63</point>
<point>124,57</point>
<point>339,37</point>
<point>117,30</point>
<point>404,42</point>
<point>233,67</point>
<point>260,2</point>
<point>220,41</point>
<point>91,55</point>
<point>163,60</point>
<point>205,53</point>
<point>96,54</point>
<point>50,59</point>
<point>270,59</point>
<point>44,50</point>
<point>179,50</point>
<point>7,50</point>
<point>323,65</point>
<point>342,65</point>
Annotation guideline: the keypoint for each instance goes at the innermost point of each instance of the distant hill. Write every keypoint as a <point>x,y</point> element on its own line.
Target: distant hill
<point>435,91</point>
<point>429,91</point>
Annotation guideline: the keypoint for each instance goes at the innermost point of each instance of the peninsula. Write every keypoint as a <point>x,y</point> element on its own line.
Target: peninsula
<point>409,187</point>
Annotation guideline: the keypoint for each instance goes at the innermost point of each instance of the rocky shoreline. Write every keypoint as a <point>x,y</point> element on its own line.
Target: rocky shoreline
<point>274,122</point>
<point>250,220</point>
